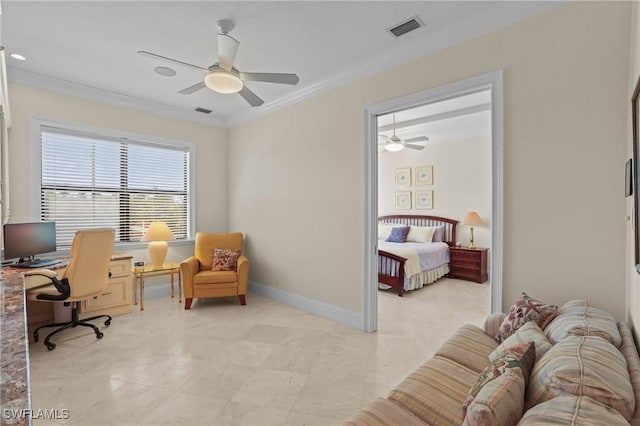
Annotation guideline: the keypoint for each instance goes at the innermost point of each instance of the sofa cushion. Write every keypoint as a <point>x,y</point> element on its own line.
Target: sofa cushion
<point>468,346</point>
<point>583,366</point>
<point>384,412</point>
<point>499,402</point>
<point>517,357</point>
<point>525,309</point>
<point>572,411</point>
<point>529,332</point>
<point>435,391</point>
<point>579,318</point>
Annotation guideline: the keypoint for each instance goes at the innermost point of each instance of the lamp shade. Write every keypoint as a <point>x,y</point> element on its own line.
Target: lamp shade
<point>158,231</point>
<point>472,219</point>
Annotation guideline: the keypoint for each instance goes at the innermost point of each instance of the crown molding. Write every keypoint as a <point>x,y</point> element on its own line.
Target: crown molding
<point>92,93</point>
<point>407,50</point>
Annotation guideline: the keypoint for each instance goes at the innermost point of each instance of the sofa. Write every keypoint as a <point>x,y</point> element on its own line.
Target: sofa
<point>574,366</point>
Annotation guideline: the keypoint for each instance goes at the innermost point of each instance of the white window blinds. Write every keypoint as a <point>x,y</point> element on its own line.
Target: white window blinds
<point>89,181</point>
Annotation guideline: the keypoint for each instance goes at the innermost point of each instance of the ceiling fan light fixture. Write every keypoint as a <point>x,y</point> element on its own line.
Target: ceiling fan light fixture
<point>394,146</point>
<point>222,81</point>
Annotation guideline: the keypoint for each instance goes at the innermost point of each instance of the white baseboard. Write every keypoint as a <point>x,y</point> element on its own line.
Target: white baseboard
<point>315,307</point>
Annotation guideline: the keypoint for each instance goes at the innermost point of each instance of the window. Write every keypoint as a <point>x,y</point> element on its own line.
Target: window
<point>92,181</point>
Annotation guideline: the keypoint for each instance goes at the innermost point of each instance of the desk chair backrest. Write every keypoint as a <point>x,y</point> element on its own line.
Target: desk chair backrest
<point>88,270</point>
<point>206,242</point>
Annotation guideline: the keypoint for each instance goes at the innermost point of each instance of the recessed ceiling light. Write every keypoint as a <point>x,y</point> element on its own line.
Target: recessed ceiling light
<point>164,71</point>
<point>18,57</point>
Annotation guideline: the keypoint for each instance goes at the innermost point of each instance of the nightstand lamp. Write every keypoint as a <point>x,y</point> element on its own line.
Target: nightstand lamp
<point>472,219</point>
<point>158,234</point>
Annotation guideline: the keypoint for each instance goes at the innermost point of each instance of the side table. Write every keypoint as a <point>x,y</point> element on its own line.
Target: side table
<point>468,264</point>
<point>142,272</point>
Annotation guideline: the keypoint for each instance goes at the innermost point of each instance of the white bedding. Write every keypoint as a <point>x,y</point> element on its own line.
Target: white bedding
<point>420,257</point>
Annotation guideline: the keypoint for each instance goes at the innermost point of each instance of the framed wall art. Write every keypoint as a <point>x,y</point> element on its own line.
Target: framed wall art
<point>424,200</point>
<point>403,176</point>
<point>403,200</point>
<point>424,175</point>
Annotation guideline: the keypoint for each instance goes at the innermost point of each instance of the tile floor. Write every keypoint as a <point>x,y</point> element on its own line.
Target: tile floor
<point>261,364</point>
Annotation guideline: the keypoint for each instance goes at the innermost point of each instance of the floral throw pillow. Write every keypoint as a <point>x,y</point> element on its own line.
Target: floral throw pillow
<point>520,356</point>
<point>225,259</point>
<point>524,310</point>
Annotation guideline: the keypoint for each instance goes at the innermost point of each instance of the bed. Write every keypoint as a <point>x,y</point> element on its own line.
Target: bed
<point>408,266</point>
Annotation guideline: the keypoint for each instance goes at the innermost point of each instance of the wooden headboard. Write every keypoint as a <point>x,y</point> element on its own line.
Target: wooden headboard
<point>423,220</point>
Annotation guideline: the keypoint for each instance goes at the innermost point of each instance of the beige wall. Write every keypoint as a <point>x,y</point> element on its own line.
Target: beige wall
<point>296,179</point>
<point>210,163</point>
<point>461,183</point>
<point>633,279</point>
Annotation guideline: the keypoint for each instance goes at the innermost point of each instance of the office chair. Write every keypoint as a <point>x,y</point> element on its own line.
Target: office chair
<point>86,276</point>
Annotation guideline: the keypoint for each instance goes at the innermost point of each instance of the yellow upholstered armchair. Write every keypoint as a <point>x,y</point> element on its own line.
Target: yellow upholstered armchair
<point>201,281</point>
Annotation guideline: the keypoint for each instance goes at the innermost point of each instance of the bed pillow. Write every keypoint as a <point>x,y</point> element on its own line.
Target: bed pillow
<point>525,309</point>
<point>421,234</point>
<point>384,229</point>
<point>438,235</point>
<point>225,259</point>
<point>398,235</point>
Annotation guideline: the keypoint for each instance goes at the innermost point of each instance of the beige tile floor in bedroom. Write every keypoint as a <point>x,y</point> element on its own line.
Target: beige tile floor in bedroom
<point>262,364</point>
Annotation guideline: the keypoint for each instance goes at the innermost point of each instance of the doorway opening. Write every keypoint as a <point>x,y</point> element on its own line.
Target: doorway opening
<point>437,153</point>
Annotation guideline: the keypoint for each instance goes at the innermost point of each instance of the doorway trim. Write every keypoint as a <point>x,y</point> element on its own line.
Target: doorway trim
<point>492,81</point>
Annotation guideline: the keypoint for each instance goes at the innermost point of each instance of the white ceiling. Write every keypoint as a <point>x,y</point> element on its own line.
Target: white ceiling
<point>90,48</point>
<point>447,120</point>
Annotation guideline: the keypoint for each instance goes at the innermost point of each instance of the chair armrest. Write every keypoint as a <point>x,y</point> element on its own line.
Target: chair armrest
<point>188,268</point>
<point>61,285</point>
<point>44,272</point>
<point>493,322</point>
<point>243,274</point>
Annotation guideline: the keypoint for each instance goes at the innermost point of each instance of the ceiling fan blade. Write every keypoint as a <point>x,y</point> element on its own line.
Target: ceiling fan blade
<point>270,77</point>
<point>411,146</point>
<point>418,139</point>
<point>253,99</point>
<point>227,49</point>
<point>175,61</point>
<point>192,89</point>
<point>384,137</point>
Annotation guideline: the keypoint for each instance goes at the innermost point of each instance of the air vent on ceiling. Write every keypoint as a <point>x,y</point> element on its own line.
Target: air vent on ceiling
<point>407,26</point>
<point>203,110</point>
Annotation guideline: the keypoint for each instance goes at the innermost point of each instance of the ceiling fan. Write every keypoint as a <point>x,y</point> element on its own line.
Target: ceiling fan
<point>222,76</point>
<point>394,144</point>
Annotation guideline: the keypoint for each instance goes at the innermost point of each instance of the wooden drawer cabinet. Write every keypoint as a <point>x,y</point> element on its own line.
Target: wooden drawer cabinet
<point>116,299</point>
<point>468,264</point>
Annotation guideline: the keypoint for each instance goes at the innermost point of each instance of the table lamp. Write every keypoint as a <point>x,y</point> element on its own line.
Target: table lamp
<point>158,234</point>
<point>472,219</point>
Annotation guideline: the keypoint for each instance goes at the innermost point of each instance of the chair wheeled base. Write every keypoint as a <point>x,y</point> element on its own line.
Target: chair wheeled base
<point>75,321</point>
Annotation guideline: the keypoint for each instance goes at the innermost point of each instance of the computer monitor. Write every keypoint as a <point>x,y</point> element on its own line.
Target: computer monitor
<point>25,240</point>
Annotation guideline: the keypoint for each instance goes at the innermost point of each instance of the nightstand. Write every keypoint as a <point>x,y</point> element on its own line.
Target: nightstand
<point>468,264</point>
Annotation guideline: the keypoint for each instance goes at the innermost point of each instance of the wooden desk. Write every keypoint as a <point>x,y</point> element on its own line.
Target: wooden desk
<point>142,272</point>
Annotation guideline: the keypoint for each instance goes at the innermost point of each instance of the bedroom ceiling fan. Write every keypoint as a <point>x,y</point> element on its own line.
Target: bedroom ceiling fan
<point>222,76</point>
<point>394,144</point>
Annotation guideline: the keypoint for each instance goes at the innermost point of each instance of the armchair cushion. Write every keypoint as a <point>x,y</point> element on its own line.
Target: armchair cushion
<point>215,277</point>
<point>225,259</point>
